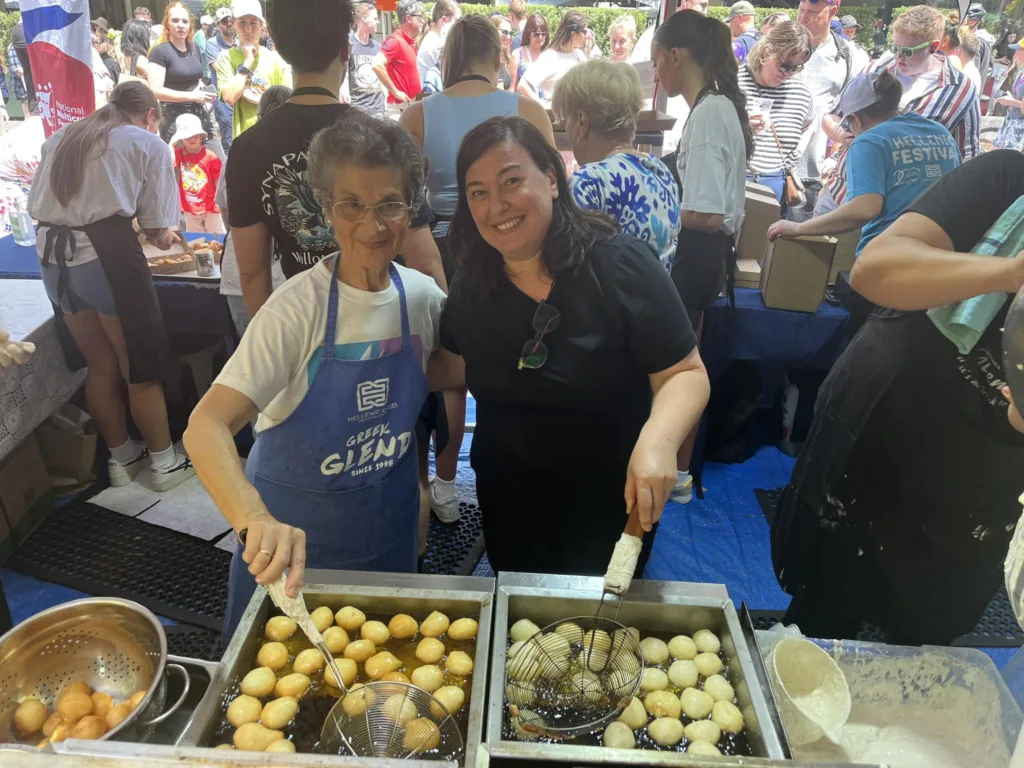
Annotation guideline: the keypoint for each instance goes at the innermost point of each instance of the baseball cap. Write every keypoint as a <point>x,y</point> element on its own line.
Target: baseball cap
<point>206,20</point>
<point>221,14</point>
<point>240,8</point>
<point>857,95</point>
<point>742,8</point>
<point>185,127</point>
<point>101,24</point>
<point>849,21</point>
<point>976,11</point>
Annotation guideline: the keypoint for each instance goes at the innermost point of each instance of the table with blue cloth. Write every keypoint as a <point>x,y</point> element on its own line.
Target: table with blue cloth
<point>188,306</point>
<point>776,339</point>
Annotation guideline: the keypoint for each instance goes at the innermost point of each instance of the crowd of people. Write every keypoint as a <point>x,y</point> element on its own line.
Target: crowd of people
<point>403,228</point>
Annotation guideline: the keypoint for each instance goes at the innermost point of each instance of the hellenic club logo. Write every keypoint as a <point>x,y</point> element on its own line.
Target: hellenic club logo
<point>372,394</point>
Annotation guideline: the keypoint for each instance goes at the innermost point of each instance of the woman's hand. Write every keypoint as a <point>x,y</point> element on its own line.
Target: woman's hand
<point>270,547</point>
<point>783,228</point>
<point>650,478</point>
<point>201,96</point>
<point>162,239</point>
<point>756,123</point>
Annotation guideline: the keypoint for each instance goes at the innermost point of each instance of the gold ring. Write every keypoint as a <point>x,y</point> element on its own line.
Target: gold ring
<point>265,552</point>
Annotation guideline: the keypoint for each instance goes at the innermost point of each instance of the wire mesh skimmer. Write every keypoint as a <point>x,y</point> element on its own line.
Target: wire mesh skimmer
<point>573,677</point>
<point>379,719</point>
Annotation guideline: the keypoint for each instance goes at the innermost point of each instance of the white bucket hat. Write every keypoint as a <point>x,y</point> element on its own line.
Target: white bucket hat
<point>187,126</point>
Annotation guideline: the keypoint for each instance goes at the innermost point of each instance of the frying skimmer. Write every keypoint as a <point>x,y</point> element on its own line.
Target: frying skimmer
<point>577,675</point>
<point>379,719</point>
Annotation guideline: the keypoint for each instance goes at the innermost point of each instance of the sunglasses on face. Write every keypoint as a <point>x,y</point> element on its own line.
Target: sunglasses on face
<point>905,52</point>
<point>354,210</point>
<point>535,351</point>
<point>505,32</point>
<point>822,2</point>
<point>790,69</point>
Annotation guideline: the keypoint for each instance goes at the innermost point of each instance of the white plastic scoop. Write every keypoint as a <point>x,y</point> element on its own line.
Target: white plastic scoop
<point>811,691</point>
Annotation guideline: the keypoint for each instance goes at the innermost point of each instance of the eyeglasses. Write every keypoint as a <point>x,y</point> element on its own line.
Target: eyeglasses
<point>414,16</point>
<point>823,2</point>
<point>535,351</point>
<point>905,52</point>
<point>354,210</point>
<point>786,67</point>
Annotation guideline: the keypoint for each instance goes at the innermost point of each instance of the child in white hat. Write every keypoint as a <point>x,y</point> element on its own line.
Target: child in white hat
<point>198,169</point>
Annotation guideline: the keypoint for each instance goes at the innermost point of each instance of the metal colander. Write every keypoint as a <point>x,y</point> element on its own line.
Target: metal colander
<point>115,646</point>
<point>396,720</point>
<point>573,677</point>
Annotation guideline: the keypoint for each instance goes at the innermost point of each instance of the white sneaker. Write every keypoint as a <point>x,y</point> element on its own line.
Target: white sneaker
<point>447,509</point>
<point>165,479</point>
<point>683,492</point>
<point>123,474</point>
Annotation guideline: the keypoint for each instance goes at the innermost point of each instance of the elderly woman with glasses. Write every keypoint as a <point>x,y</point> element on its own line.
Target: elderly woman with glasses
<point>780,106</point>
<point>932,87</point>
<point>578,351</point>
<point>333,364</point>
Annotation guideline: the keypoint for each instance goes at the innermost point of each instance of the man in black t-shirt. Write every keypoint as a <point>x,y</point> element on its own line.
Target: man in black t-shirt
<point>269,200</point>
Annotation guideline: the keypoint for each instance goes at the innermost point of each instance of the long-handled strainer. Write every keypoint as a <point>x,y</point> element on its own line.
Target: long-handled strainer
<point>379,719</point>
<point>576,675</point>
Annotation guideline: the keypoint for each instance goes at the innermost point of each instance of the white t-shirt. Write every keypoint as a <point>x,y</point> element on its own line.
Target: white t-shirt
<point>712,160</point>
<point>549,68</point>
<point>972,73</point>
<point>825,76</point>
<point>134,177</point>
<point>280,351</point>
<point>429,54</point>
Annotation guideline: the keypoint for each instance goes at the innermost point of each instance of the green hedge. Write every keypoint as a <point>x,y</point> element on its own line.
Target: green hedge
<point>7,22</point>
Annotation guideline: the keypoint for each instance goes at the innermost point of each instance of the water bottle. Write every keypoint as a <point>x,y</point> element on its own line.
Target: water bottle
<point>22,226</point>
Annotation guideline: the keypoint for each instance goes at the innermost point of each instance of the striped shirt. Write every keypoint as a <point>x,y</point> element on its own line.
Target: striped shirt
<point>792,113</point>
<point>952,101</point>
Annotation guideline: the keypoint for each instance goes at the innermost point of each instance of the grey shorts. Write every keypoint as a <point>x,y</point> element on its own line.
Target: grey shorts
<point>88,283</point>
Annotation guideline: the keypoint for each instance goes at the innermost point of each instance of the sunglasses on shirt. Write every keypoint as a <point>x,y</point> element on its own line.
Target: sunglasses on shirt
<point>905,52</point>
<point>535,351</point>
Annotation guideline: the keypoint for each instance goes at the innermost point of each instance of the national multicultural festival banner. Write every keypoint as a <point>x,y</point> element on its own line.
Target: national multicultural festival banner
<point>60,51</point>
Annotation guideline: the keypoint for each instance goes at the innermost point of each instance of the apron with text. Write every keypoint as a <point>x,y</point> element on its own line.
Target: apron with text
<point>342,467</point>
<point>131,283</point>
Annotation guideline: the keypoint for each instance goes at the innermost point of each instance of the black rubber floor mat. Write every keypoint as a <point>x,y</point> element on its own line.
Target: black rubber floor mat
<point>101,552</point>
<point>455,549</point>
<point>768,500</point>
<point>194,642</point>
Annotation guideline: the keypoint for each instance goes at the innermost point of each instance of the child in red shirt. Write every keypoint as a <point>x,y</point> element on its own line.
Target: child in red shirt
<point>198,170</point>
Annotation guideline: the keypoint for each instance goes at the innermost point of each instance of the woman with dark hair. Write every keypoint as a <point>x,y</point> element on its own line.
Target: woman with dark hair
<point>470,63</point>
<point>578,352</point>
<point>175,71</point>
<point>693,58</point>
<point>95,176</point>
<point>566,51</point>
<point>534,43</point>
<point>135,49</point>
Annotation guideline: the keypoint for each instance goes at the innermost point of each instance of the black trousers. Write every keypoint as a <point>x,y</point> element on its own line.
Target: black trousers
<point>30,86</point>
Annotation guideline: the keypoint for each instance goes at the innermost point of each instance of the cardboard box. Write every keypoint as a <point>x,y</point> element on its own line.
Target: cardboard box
<point>69,456</point>
<point>748,273</point>
<point>760,212</point>
<point>23,481</point>
<point>760,189</point>
<point>795,272</point>
<point>846,254</point>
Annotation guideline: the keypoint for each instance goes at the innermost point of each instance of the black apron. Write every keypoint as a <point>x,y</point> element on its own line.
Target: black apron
<point>131,283</point>
<point>703,266</point>
<point>904,498</point>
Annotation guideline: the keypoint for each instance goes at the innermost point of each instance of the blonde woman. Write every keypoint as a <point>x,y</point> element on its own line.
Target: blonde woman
<point>622,38</point>
<point>599,101</point>
<point>779,105</point>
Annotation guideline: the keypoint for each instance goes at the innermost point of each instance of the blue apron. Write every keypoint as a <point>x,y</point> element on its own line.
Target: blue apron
<point>342,467</point>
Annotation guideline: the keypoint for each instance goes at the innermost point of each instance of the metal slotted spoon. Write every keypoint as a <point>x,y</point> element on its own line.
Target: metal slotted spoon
<point>379,719</point>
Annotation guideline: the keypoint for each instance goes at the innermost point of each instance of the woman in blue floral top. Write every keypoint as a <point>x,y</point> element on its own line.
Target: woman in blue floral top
<point>599,102</point>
